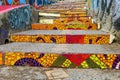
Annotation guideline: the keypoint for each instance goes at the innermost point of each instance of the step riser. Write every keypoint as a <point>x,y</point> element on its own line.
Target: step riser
<point>62,39</point>
<point>64,14</point>
<point>64,20</point>
<point>64,27</point>
<point>82,14</point>
<point>66,7</point>
<point>61,10</point>
<point>69,4</point>
<point>82,23</point>
<point>81,18</point>
<point>103,61</point>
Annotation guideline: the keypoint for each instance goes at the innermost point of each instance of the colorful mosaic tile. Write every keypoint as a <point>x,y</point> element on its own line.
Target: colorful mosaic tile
<point>21,58</point>
<point>20,38</point>
<point>73,18</point>
<point>75,39</point>
<point>76,23</point>
<point>61,20</point>
<point>103,61</point>
<point>107,59</point>
<point>49,38</point>
<point>48,26</point>
<point>47,59</point>
<point>82,26</point>
<point>96,39</point>
<point>1,58</point>
<point>60,26</point>
<point>65,20</point>
<point>61,39</point>
<point>84,19</point>
<point>71,14</point>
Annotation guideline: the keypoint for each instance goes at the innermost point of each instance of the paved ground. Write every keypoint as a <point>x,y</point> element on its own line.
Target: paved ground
<point>37,73</point>
<point>62,32</point>
<point>61,48</point>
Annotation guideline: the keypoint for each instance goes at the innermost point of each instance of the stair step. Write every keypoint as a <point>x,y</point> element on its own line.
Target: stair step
<point>65,6</point>
<point>62,36</point>
<point>61,55</point>
<point>63,14</point>
<point>61,10</point>
<point>60,26</point>
<point>73,20</point>
<point>61,48</point>
<point>69,3</point>
<point>80,20</point>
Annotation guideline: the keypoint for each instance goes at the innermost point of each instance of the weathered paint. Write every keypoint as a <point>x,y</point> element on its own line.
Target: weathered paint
<point>13,19</point>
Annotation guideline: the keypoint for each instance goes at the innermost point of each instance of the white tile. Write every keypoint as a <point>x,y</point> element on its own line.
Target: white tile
<point>56,74</point>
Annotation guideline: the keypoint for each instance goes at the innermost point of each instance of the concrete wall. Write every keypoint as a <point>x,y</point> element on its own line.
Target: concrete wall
<point>14,20</point>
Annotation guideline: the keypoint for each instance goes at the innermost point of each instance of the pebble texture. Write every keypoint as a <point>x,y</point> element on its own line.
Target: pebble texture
<point>34,73</point>
<point>56,32</point>
<point>61,48</point>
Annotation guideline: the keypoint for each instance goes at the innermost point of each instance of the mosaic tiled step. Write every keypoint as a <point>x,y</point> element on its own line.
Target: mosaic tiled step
<point>58,16</point>
<point>69,3</point>
<point>66,5</point>
<point>1,58</point>
<point>62,55</point>
<point>64,14</point>
<point>58,26</point>
<point>61,14</point>
<point>61,10</point>
<point>66,20</point>
<point>62,36</point>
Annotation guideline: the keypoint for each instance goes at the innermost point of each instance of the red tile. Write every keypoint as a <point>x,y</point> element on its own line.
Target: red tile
<point>75,39</point>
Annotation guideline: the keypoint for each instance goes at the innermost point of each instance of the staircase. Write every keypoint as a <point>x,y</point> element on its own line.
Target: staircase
<point>70,40</point>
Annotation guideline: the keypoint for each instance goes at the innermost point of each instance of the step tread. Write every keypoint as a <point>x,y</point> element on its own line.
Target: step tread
<point>61,32</point>
<point>61,48</point>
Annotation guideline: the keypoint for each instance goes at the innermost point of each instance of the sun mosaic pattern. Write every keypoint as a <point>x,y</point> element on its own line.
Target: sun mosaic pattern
<point>102,61</point>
